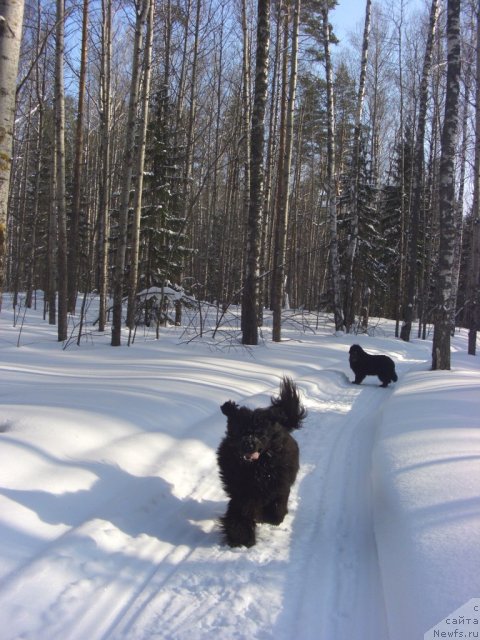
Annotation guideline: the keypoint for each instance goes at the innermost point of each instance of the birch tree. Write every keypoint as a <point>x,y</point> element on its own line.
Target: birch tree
<point>418,179</point>
<point>142,142</point>
<point>442,321</point>
<point>473,283</point>
<point>402,175</point>
<point>331,177</point>
<point>246,106</point>
<point>128,158</point>
<point>288,106</point>
<point>250,298</point>
<point>60,193</point>
<point>352,245</point>
<point>104,181</point>
<point>52,249</point>
<point>40,80</point>
<point>11,21</point>
<point>73,244</point>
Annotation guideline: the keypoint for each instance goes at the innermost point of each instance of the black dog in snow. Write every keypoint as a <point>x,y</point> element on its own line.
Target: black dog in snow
<point>364,364</point>
<point>258,461</point>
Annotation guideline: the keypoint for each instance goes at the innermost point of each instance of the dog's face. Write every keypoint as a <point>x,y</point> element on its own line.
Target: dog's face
<point>355,352</point>
<point>251,432</point>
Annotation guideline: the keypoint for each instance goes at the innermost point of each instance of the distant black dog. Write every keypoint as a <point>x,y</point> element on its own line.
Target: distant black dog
<point>364,364</point>
<point>258,461</point>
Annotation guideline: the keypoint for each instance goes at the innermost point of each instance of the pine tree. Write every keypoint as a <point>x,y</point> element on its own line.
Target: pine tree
<point>393,201</point>
<point>163,230</point>
<point>368,266</point>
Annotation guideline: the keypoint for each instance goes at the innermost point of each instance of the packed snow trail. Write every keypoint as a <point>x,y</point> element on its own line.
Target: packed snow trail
<point>334,519</point>
<point>110,496</point>
<point>326,585</point>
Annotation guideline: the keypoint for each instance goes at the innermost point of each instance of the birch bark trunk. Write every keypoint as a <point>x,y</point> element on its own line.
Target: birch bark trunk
<point>418,180</point>
<point>284,178</point>
<point>142,143</point>
<point>250,297</point>
<point>74,240</point>
<point>104,182</point>
<point>11,21</point>
<point>473,284</point>
<point>442,322</point>
<point>331,179</point>
<point>352,245</point>
<point>122,240</point>
<point>61,202</point>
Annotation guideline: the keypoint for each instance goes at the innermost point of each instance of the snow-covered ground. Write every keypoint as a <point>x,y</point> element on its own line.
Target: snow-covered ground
<point>109,491</point>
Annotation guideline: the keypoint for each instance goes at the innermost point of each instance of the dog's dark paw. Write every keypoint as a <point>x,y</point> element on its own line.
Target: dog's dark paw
<point>274,514</point>
<point>274,520</point>
<point>229,408</point>
<point>241,542</point>
<point>239,533</point>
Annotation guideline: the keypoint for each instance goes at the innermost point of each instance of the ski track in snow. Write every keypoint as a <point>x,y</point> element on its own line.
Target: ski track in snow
<point>149,549</point>
<point>337,523</point>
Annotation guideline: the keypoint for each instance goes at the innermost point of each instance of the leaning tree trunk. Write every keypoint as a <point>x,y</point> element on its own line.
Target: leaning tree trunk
<point>11,20</point>
<point>352,245</point>
<point>250,298</point>
<point>127,177</point>
<point>442,321</point>
<point>418,180</point>
<point>331,190</point>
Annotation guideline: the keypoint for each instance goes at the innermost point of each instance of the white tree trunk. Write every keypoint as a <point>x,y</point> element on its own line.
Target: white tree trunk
<point>418,174</point>
<point>142,144</point>
<point>250,298</point>
<point>352,245</point>
<point>127,176</point>
<point>473,282</point>
<point>105,144</point>
<point>62,275</point>
<point>285,163</point>
<point>331,177</point>
<point>11,21</point>
<point>441,335</point>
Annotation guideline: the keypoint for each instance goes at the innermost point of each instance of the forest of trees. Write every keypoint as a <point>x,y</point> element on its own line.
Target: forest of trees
<point>238,151</point>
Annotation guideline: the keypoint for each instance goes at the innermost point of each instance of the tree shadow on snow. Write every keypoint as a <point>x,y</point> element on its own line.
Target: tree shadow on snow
<point>134,505</point>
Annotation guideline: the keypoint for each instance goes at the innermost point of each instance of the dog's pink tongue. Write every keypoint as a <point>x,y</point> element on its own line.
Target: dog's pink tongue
<point>254,456</point>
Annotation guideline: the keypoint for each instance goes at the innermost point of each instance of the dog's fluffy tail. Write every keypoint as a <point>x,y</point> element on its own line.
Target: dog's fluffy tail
<point>288,408</point>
